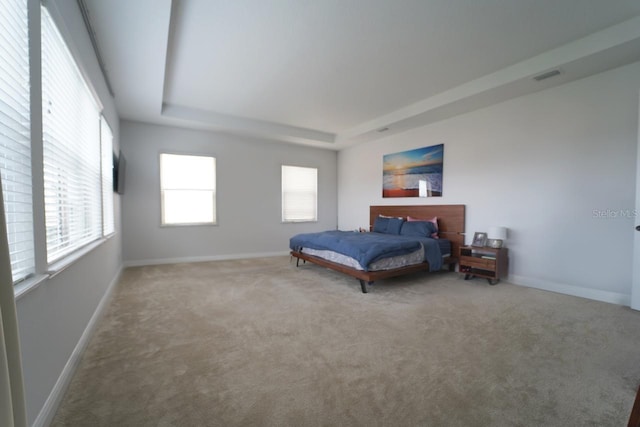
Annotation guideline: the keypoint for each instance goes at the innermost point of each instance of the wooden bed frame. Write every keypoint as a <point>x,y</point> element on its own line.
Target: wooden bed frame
<point>451,220</point>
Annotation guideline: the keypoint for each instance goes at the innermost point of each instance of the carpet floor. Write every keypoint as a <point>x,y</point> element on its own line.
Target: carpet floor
<point>261,342</point>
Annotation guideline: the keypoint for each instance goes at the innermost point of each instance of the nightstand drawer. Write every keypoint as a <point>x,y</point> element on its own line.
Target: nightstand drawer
<point>486,264</point>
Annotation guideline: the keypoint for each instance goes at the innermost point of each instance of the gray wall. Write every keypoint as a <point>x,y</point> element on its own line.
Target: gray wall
<point>248,195</point>
<point>53,316</point>
<point>549,166</point>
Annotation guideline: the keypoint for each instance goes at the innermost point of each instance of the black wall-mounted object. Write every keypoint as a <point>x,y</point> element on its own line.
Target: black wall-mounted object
<point>119,168</point>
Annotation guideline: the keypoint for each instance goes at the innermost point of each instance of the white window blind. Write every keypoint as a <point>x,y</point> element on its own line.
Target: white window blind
<point>106,141</point>
<point>71,149</point>
<point>188,189</point>
<point>299,194</point>
<point>15,147</point>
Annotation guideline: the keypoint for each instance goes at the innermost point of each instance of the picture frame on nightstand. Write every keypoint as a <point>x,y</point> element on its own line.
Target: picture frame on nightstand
<point>494,243</point>
<point>479,239</point>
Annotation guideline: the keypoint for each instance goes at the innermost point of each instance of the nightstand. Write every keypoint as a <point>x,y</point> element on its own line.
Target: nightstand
<point>490,263</point>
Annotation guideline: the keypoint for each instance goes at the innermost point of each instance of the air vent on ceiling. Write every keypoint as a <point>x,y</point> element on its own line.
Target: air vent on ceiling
<point>547,75</point>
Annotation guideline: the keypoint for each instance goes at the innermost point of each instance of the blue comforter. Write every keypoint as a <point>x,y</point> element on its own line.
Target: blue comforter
<point>369,247</point>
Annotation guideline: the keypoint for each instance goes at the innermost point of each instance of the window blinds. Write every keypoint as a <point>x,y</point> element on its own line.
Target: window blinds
<point>15,148</point>
<point>299,194</point>
<point>71,149</point>
<point>106,141</point>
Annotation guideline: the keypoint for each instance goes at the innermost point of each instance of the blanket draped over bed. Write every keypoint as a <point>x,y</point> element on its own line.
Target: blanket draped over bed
<point>369,247</point>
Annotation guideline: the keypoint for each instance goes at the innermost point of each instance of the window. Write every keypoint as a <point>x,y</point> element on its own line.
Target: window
<point>106,148</point>
<point>299,194</point>
<point>188,189</point>
<point>71,149</point>
<point>15,147</point>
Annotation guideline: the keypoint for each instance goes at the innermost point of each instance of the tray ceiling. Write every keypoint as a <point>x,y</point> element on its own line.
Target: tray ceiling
<point>333,73</point>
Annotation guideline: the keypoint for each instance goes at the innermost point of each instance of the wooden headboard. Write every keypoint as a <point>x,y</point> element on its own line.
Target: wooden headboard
<point>451,219</point>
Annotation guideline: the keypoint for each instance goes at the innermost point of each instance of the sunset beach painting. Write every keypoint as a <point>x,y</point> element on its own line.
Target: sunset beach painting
<point>413,173</point>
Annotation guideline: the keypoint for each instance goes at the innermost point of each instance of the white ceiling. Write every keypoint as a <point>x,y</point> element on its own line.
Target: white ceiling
<point>331,73</point>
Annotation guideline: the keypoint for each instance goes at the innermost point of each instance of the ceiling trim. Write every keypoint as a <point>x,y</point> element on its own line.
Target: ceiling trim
<point>169,47</point>
<point>251,126</point>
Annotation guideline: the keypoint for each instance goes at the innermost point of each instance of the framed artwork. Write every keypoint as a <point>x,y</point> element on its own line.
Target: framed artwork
<point>479,239</point>
<point>413,173</point>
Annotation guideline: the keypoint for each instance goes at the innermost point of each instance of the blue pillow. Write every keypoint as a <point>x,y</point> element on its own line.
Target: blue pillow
<point>387,225</point>
<point>395,225</point>
<point>380,224</point>
<point>417,228</point>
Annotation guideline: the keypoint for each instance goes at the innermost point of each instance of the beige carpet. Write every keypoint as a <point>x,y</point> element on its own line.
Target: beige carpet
<point>261,342</point>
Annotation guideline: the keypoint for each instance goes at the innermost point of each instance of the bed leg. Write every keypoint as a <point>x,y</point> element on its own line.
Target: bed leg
<point>297,262</point>
<point>363,285</point>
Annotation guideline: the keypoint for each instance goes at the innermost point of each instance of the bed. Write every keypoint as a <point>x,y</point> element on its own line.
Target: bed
<point>451,221</point>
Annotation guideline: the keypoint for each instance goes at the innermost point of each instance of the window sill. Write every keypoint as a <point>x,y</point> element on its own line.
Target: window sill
<point>31,283</point>
<point>193,224</point>
<point>59,266</point>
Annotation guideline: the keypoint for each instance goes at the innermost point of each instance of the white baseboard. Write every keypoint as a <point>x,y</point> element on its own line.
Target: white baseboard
<point>561,288</point>
<point>48,411</point>
<point>141,263</point>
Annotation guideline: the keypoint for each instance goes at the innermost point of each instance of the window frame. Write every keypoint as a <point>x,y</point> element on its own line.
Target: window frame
<point>282,195</point>
<point>16,127</point>
<point>58,260</point>
<point>108,223</point>
<point>214,222</point>
<point>43,268</point>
